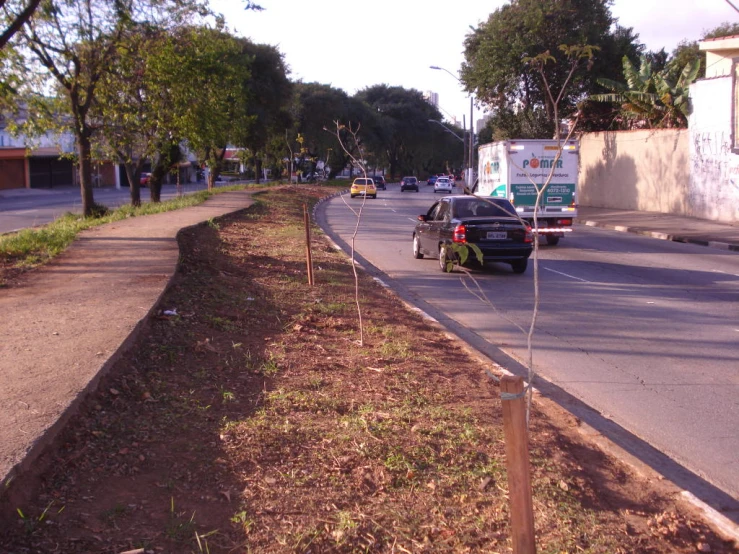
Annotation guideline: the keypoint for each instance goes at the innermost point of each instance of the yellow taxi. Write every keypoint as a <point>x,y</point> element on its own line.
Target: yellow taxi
<point>363,186</point>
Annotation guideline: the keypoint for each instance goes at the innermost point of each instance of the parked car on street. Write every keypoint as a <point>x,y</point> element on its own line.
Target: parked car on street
<point>431,180</point>
<point>363,186</point>
<point>443,184</point>
<point>409,183</point>
<point>144,179</point>
<point>379,182</point>
<point>489,223</point>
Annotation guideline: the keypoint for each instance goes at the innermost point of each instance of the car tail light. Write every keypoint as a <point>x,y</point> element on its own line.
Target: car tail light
<point>564,222</point>
<point>460,234</point>
<point>529,235</point>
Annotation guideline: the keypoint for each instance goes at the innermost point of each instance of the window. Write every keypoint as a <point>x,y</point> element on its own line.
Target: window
<point>735,106</point>
<point>444,212</point>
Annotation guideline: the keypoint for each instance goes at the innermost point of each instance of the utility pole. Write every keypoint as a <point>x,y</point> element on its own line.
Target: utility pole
<point>472,140</point>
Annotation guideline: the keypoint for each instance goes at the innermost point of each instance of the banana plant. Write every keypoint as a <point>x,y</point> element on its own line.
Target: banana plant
<point>655,100</point>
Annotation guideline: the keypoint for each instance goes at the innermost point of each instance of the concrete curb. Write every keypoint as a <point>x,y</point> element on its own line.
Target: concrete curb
<point>662,236</point>
<point>720,523</point>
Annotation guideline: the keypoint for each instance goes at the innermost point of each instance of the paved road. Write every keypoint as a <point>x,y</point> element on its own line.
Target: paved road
<point>30,207</point>
<point>644,331</point>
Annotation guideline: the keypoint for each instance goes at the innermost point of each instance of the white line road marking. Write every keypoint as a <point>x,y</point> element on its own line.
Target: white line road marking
<point>413,220</point>
<point>26,212</point>
<point>566,275</point>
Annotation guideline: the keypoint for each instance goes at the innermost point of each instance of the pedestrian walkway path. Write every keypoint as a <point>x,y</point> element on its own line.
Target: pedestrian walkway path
<point>70,320</point>
<point>724,236</point>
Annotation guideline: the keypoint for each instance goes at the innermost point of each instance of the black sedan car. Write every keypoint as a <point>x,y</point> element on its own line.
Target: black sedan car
<point>409,183</point>
<point>488,223</point>
<point>379,182</point>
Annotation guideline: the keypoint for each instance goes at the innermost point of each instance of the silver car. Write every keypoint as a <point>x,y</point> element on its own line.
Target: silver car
<point>443,184</point>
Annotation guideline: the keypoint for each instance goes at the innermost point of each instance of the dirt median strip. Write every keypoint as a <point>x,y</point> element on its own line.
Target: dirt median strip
<point>249,417</point>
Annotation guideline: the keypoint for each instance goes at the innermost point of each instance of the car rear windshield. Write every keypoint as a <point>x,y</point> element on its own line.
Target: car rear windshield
<point>363,181</point>
<point>490,207</point>
<point>410,179</point>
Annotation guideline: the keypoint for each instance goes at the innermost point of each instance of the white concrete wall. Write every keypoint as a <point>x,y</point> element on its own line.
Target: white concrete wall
<point>714,182</point>
<point>635,170</point>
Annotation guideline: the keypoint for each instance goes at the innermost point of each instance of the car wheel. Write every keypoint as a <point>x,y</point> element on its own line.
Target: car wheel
<point>374,196</point>
<point>444,258</point>
<point>552,241</point>
<point>352,195</point>
<point>417,248</point>
<point>519,266</point>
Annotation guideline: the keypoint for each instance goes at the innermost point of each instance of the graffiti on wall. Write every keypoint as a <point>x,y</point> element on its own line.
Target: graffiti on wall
<point>714,190</point>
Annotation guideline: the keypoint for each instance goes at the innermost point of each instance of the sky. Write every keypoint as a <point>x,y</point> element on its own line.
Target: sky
<point>353,45</point>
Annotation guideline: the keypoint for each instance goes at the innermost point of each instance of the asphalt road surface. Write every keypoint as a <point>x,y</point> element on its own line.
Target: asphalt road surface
<point>644,331</point>
<point>24,208</point>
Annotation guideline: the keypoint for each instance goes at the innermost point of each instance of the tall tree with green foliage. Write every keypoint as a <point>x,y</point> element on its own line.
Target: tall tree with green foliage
<point>65,50</point>
<point>495,52</point>
<point>130,113</point>
<point>403,125</point>
<point>269,93</point>
<point>210,102</point>
<point>318,108</point>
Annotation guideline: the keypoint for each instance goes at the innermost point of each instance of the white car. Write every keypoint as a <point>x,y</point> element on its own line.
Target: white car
<point>443,184</point>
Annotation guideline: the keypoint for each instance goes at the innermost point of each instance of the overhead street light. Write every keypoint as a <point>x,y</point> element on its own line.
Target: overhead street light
<point>448,130</point>
<point>472,133</point>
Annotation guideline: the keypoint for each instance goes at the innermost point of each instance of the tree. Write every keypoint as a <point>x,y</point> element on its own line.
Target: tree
<point>210,101</point>
<point>506,123</point>
<point>402,128</point>
<point>495,53</point>
<point>318,108</point>
<point>652,99</point>
<point>16,15</point>
<point>67,48</point>
<point>688,50</point>
<point>268,95</point>
<point>130,112</point>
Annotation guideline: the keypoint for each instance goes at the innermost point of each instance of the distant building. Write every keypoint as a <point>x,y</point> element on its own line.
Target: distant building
<point>431,97</point>
<point>480,123</point>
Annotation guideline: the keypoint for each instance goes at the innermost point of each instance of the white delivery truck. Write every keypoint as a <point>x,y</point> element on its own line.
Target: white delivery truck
<point>515,169</point>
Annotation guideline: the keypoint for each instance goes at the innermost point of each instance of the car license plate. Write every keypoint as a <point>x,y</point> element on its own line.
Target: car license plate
<point>497,235</point>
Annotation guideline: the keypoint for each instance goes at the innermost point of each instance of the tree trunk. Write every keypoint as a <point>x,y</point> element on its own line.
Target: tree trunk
<point>134,183</point>
<point>158,172</point>
<point>85,171</point>
<point>258,166</point>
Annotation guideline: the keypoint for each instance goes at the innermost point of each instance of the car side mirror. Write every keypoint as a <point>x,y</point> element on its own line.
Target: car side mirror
<point>422,217</point>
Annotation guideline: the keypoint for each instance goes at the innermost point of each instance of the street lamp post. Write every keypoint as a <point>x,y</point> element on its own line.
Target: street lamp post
<point>448,130</point>
<point>468,177</point>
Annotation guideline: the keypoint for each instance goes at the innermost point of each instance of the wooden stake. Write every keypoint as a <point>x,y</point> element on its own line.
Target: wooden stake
<point>517,463</point>
<point>308,255</point>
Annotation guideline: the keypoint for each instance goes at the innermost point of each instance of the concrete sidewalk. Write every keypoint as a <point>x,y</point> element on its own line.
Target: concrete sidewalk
<point>724,236</point>
<point>70,320</point>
